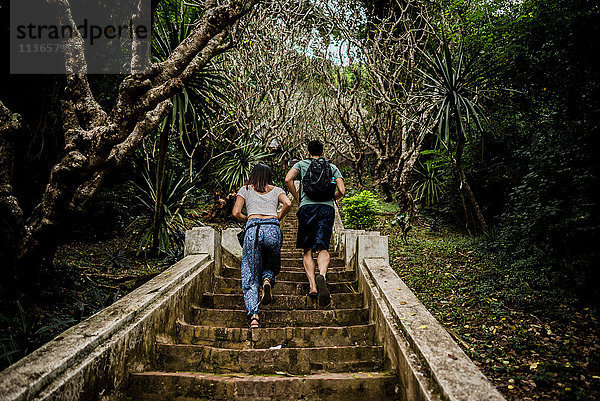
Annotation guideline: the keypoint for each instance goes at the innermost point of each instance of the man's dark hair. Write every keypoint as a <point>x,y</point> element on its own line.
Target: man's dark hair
<point>315,148</point>
<point>260,178</point>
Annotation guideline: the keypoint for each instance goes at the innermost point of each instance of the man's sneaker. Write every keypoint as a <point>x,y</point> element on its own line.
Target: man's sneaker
<point>267,298</point>
<point>324,297</point>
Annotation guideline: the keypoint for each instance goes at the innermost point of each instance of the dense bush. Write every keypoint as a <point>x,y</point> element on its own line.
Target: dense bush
<point>547,233</point>
<point>536,174</point>
<point>359,210</point>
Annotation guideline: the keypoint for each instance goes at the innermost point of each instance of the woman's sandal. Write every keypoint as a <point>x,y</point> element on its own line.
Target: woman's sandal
<point>267,297</point>
<point>313,295</point>
<point>254,321</point>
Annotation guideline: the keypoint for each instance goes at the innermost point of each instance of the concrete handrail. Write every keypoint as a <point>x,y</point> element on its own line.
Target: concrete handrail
<point>429,363</point>
<point>93,359</point>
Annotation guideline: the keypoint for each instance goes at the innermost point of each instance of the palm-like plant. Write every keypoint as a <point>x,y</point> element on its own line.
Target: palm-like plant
<point>452,91</point>
<point>451,87</point>
<point>428,187</point>
<point>198,103</point>
<point>235,166</point>
<point>172,225</point>
<point>194,107</point>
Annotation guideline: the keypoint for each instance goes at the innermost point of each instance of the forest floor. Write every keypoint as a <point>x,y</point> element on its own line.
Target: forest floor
<point>546,355</point>
<point>88,275</point>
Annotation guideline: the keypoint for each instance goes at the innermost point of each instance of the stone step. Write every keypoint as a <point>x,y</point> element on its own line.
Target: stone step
<point>334,262</point>
<point>265,337</point>
<point>297,253</point>
<point>279,318</point>
<point>187,386</point>
<point>282,302</point>
<point>295,269</point>
<point>297,361</point>
<point>290,246</point>
<point>234,286</point>
<point>298,257</point>
<point>296,275</point>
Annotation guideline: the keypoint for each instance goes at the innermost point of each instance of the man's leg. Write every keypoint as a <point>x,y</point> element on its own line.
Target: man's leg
<point>322,238</point>
<point>323,262</point>
<point>323,259</point>
<point>309,268</point>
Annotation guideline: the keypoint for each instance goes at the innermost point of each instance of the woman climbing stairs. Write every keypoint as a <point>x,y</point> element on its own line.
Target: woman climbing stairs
<point>301,352</point>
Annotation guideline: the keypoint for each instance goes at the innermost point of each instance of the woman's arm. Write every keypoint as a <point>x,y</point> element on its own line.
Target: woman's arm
<point>287,204</point>
<point>237,209</point>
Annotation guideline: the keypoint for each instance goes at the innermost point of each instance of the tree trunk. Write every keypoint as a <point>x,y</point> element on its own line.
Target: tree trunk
<point>98,142</point>
<point>464,187</point>
<point>463,202</point>
<point>359,170</point>
<point>383,178</point>
<point>12,229</point>
<point>160,178</point>
<point>405,201</point>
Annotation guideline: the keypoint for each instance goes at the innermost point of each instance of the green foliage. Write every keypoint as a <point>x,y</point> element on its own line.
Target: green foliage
<point>235,166</point>
<point>172,254</point>
<point>429,184</point>
<point>198,104</point>
<point>115,258</point>
<point>537,177</point>
<point>178,190</point>
<point>546,232</point>
<point>14,346</point>
<point>21,338</point>
<point>359,210</point>
<point>451,88</point>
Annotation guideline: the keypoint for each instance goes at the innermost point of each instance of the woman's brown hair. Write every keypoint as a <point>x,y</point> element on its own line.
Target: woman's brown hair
<point>260,177</point>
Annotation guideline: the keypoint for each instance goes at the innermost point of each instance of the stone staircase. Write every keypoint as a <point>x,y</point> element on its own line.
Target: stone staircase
<point>301,351</point>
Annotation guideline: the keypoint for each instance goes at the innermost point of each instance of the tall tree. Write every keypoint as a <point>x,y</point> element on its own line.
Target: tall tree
<point>275,91</point>
<point>97,140</point>
<point>453,92</point>
<point>381,119</point>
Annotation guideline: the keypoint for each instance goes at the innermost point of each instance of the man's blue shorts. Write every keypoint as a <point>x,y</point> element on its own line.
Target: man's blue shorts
<point>315,223</point>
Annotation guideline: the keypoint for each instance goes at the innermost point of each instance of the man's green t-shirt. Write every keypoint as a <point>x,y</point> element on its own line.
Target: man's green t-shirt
<point>302,167</point>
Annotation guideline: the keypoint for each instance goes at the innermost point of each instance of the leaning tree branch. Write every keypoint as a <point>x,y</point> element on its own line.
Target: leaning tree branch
<point>80,109</point>
<point>11,213</point>
<point>96,143</point>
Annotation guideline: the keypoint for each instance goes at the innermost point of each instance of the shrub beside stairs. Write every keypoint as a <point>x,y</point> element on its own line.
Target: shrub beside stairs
<point>301,352</point>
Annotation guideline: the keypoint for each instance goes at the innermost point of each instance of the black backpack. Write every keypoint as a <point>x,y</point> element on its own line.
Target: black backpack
<point>317,182</point>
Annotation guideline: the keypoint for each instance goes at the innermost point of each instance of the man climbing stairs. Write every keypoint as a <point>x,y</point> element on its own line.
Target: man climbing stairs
<point>301,351</point>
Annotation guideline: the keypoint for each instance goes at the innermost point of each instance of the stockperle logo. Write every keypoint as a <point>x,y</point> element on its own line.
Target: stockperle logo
<point>45,35</point>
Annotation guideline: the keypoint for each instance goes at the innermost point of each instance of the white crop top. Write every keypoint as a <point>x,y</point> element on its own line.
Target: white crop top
<point>265,204</point>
